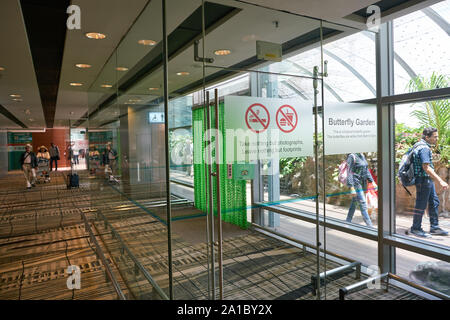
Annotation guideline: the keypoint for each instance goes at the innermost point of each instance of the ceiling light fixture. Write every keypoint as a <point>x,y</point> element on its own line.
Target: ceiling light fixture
<point>147,42</point>
<point>76,84</point>
<point>122,69</point>
<point>2,69</point>
<point>106,86</point>
<point>15,96</point>
<point>183,73</point>
<point>83,65</point>
<point>17,100</point>
<point>95,35</point>
<point>222,52</point>
<point>153,89</point>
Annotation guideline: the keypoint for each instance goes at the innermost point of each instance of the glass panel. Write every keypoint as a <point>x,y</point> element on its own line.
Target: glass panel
<point>412,201</point>
<point>422,47</point>
<point>277,53</point>
<point>127,157</point>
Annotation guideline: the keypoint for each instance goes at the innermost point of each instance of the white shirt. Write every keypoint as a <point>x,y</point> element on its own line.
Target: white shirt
<point>27,158</point>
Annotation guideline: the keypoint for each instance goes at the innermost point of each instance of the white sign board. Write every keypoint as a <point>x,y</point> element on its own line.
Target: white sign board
<point>156,117</point>
<point>350,128</point>
<point>267,128</point>
<point>269,51</point>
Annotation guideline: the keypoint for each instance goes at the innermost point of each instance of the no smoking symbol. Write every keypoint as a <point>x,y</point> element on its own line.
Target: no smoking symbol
<point>257,118</point>
<point>287,118</point>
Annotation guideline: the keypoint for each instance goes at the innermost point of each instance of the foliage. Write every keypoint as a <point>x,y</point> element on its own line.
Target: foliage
<point>291,165</point>
<point>405,138</point>
<point>434,113</point>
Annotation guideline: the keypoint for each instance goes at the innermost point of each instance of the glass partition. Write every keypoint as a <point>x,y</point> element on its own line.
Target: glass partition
<point>264,133</point>
<point>126,128</point>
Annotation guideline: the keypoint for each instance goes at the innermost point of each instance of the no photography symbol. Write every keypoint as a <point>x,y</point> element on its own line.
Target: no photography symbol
<point>257,118</point>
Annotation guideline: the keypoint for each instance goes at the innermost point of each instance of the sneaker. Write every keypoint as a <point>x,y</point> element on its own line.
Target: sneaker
<point>438,231</point>
<point>420,233</point>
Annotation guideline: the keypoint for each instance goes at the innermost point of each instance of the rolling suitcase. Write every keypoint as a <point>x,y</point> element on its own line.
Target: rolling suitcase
<point>73,181</point>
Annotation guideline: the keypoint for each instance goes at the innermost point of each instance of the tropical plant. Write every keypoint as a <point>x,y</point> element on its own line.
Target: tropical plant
<point>289,166</point>
<point>434,113</point>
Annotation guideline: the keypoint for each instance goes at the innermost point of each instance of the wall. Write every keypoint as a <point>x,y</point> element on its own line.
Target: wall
<point>60,137</point>
<point>146,147</point>
<point>3,153</point>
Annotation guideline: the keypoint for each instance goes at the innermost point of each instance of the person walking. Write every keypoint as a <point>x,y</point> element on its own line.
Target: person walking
<point>75,156</point>
<point>358,176</point>
<point>54,156</point>
<point>109,160</point>
<point>425,189</point>
<point>29,163</point>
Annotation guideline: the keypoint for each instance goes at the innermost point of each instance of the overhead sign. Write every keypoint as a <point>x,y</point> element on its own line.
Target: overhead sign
<point>267,128</point>
<point>156,117</point>
<point>269,51</point>
<point>350,128</point>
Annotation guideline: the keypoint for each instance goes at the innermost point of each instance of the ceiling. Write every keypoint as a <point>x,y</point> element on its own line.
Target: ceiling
<point>19,76</point>
<point>229,24</point>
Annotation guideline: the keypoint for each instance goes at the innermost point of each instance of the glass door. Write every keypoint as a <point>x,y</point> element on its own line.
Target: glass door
<point>257,150</point>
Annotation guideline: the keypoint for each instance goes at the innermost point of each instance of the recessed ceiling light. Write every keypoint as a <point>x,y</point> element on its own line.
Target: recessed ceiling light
<point>76,84</point>
<point>95,35</point>
<point>122,69</point>
<point>2,69</point>
<point>183,73</point>
<point>153,89</point>
<point>17,100</point>
<point>83,65</point>
<point>106,86</point>
<point>222,52</point>
<point>147,42</point>
<point>15,95</point>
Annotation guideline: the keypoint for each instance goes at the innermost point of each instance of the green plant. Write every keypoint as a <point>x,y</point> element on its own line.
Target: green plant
<point>290,165</point>
<point>434,113</point>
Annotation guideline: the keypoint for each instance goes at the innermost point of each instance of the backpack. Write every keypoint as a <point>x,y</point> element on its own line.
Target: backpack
<point>343,171</point>
<point>406,173</point>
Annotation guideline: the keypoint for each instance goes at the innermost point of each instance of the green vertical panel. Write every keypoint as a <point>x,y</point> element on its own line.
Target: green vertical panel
<point>232,192</point>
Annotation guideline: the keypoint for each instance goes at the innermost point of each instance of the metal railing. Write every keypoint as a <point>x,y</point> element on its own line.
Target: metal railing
<point>338,270</point>
<point>124,248</point>
<point>360,285</point>
<point>101,256</point>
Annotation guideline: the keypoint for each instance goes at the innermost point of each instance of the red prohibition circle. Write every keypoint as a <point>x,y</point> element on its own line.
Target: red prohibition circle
<point>249,109</point>
<point>286,119</point>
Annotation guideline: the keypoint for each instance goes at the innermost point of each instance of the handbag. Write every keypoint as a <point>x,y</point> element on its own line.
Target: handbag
<point>372,196</point>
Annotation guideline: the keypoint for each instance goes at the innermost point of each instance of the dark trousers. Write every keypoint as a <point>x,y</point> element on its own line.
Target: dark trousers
<point>55,160</point>
<point>425,196</point>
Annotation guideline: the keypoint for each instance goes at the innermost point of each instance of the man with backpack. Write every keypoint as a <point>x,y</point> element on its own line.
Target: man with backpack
<point>426,194</point>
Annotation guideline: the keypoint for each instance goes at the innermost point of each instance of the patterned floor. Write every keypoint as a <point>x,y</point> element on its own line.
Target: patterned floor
<point>41,233</point>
